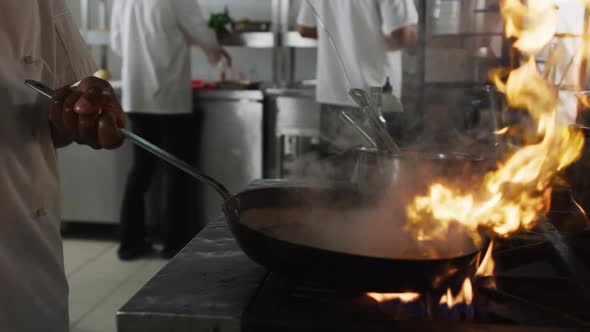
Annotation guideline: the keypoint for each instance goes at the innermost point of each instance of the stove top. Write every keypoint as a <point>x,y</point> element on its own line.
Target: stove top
<point>541,283</point>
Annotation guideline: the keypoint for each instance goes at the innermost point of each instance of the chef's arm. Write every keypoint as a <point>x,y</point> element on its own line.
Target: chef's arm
<point>404,38</point>
<point>88,114</point>
<point>307,32</point>
<point>196,28</point>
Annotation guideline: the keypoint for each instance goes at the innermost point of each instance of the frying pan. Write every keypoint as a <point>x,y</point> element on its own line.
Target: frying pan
<point>294,256</point>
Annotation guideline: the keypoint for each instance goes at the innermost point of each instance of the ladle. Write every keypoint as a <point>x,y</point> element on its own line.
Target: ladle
<point>385,140</point>
<point>346,118</point>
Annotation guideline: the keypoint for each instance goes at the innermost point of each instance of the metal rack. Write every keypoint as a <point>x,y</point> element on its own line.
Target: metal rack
<point>280,39</point>
<point>99,36</point>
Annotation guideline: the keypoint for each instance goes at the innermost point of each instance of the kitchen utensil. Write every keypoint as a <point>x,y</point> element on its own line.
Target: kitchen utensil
<point>387,102</point>
<point>257,216</point>
<point>348,119</point>
<point>146,145</point>
<point>338,252</point>
<point>409,174</point>
<point>383,139</point>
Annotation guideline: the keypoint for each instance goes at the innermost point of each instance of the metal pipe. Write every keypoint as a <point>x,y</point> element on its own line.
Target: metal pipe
<point>421,61</point>
<point>276,52</point>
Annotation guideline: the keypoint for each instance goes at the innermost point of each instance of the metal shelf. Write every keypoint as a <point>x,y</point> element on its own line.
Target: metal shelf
<point>294,40</point>
<point>466,35</point>
<point>453,85</point>
<point>249,40</point>
<point>290,39</point>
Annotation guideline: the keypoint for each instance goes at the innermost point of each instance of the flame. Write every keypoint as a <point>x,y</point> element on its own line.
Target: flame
<point>465,295</point>
<point>487,266</point>
<point>581,209</point>
<point>402,297</point>
<point>512,196</point>
<point>532,24</point>
<point>501,131</point>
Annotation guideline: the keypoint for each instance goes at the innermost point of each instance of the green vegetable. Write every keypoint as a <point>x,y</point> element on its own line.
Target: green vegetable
<point>218,21</point>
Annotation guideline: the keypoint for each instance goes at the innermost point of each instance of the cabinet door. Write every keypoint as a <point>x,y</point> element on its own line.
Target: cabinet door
<point>92,183</point>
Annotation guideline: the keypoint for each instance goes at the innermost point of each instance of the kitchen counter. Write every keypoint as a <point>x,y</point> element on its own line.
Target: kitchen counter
<point>228,95</point>
<point>257,94</point>
<point>204,288</point>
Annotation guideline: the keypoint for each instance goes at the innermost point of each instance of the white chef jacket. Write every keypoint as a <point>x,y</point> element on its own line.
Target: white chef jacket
<point>38,40</point>
<point>359,29</point>
<point>154,39</point>
<point>570,19</point>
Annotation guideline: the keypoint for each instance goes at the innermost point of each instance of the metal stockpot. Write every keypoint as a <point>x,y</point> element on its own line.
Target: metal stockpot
<point>408,174</point>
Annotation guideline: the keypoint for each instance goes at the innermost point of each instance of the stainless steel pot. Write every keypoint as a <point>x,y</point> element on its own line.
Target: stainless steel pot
<point>408,174</point>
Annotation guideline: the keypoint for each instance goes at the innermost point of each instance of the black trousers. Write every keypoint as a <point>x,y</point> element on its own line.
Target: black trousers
<point>177,135</point>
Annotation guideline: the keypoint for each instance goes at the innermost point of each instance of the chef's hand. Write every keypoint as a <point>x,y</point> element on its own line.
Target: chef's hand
<point>405,37</point>
<point>220,56</point>
<point>88,114</point>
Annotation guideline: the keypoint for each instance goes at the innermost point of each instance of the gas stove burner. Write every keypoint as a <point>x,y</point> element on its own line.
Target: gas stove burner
<point>530,291</point>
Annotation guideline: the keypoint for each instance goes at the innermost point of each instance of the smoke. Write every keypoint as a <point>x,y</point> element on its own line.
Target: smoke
<point>374,224</point>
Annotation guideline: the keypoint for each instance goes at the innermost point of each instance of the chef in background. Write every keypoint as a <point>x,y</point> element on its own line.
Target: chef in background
<point>154,39</point>
<point>50,50</point>
<point>369,36</point>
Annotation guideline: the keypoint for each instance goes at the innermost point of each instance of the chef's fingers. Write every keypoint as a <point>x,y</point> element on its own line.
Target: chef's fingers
<point>90,102</point>
<point>56,108</point>
<point>99,114</point>
<point>92,82</point>
<point>69,117</point>
<point>87,130</point>
<point>111,105</point>
<point>226,57</point>
<point>88,108</point>
<point>109,136</point>
<point>99,96</point>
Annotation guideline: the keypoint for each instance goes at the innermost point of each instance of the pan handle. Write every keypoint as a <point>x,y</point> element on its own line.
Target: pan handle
<point>149,147</point>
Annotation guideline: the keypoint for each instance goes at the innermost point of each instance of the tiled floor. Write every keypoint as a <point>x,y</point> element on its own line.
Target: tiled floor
<point>100,283</point>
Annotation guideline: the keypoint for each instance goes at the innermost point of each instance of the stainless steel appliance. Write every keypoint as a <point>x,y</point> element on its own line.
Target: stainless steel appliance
<point>231,142</point>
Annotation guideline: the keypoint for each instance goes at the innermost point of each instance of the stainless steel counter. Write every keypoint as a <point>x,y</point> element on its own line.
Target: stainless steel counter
<point>231,142</point>
<point>250,95</point>
<point>241,138</point>
<point>204,288</point>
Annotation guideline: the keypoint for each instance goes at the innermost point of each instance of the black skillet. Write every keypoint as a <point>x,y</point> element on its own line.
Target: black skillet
<point>337,269</point>
<point>313,263</point>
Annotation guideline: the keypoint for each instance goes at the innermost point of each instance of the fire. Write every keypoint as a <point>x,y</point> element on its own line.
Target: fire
<point>465,296</point>
<point>402,297</point>
<point>501,131</point>
<point>533,24</point>
<point>512,196</point>
<point>466,293</point>
<point>487,266</point>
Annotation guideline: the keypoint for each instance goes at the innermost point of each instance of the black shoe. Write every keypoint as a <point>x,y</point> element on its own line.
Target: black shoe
<point>169,253</point>
<point>135,252</point>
